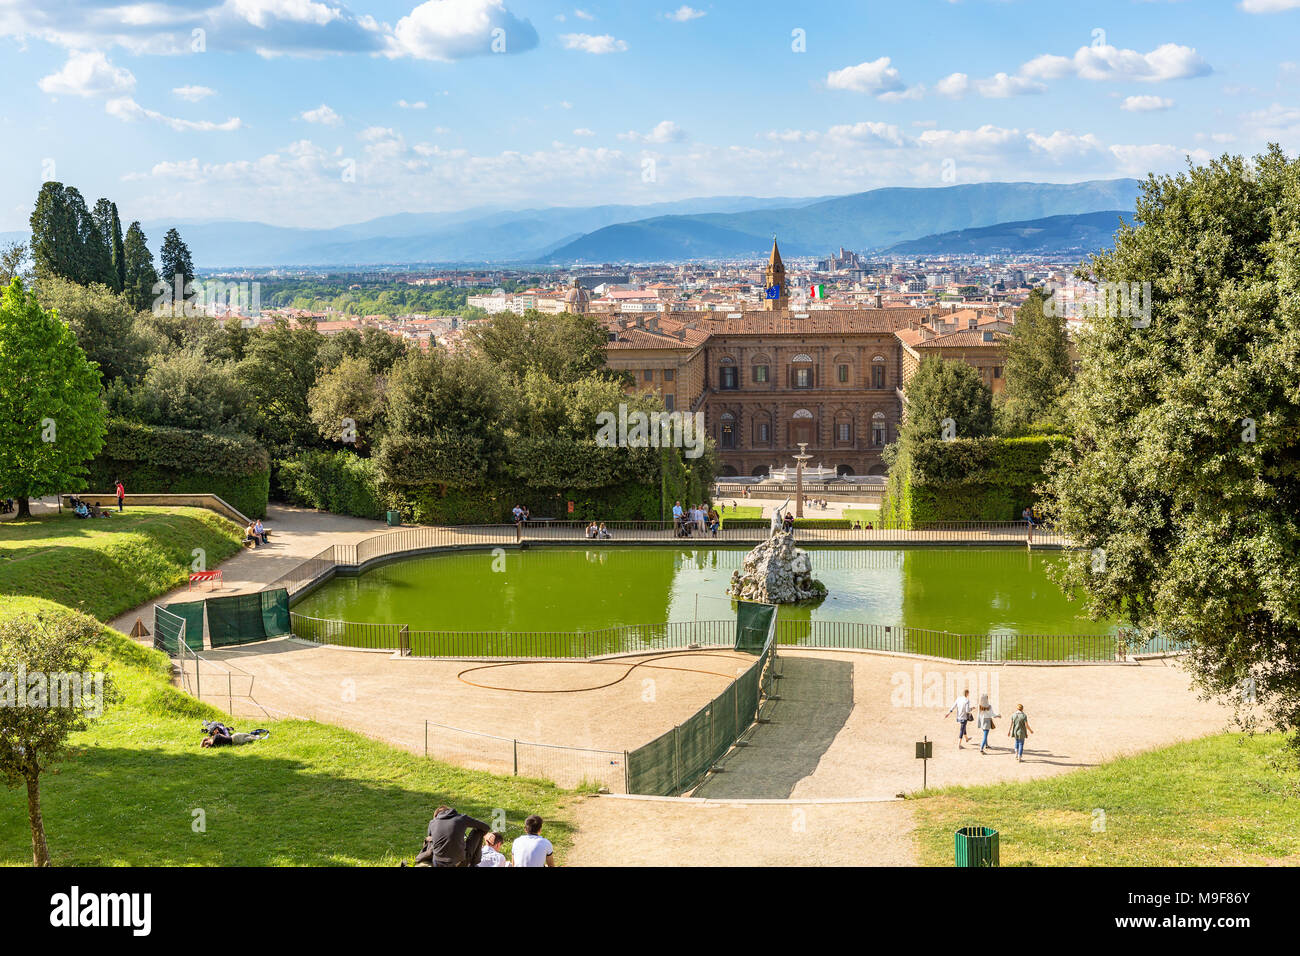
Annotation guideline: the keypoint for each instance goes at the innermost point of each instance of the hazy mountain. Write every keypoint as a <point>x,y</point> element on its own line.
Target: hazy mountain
<point>1083,233</point>
<point>863,221</point>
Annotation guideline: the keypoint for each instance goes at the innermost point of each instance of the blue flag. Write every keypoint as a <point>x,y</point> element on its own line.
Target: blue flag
<point>774,292</point>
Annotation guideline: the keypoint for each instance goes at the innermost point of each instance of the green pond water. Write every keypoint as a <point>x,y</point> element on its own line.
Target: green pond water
<point>960,590</point>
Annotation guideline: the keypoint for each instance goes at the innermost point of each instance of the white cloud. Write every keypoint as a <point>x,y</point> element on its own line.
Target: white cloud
<point>417,105</point>
<point>953,85</point>
<point>1138,160</point>
<point>1001,85</point>
<point>193,93</point>
<point>449,30</point>
<point>1062,145</point>
<point>322,115</point>
<point>583,131</point>
<point>792,135</point>
<point>592,44</point>
<point>1269,6</point>
<point>583,15</point>
<point>88,74</point>
<point>261,12</point>
<point>874,77</point>
<point>684,14</point>
<point>128,110</point>
<point>866,132</point>
<point>1146,104</point>
<point>1169,61</point>
<point>664,132</point>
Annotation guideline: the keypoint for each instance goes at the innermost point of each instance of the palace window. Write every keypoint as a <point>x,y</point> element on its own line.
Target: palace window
<point>843,372</point>
<point>844,432</point>
<point>668,375</point>
<point>670,401</point>
<point>760,374</point>
<point>649,375</point>
<point>997,371</point>
<point>803,378</point>
<point>878,429</point>
<point>727,377</point>
<point>727,435</point>
<point>764,433</point>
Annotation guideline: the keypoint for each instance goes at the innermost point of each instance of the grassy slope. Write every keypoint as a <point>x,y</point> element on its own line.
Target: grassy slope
<point>311,794</point>
<point>1219,801</point>
<point>104,566</point>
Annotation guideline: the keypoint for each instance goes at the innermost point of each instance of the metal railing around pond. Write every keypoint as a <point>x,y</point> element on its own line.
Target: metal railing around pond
<point>652,638</point>
<point>428,539</point>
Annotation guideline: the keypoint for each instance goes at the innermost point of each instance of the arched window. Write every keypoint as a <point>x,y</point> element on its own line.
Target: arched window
<point>879,429</point>
<point>843,369</point>
<point>843,428</point>
<point>878,371</point>
<point>727,431</point>
<point>728,377</point>
<point>801,374</point>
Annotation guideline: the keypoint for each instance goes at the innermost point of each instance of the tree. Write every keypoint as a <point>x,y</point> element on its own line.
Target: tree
<point>379,349</point>
<point>58,698</point>
<point>564,347</point>
<point>279,368</point>
<point>1181,488</point>
<point>138,277</point>
<point>947,389</point>
<point>12,258</point>
<point>347,404</point>
<point>105,220</point>
<point>1037,363</point>
<point>51,418</point>
<point>104,324</point>
<point>184,390</point>
<point>176,261</point>
<point>56,239</point>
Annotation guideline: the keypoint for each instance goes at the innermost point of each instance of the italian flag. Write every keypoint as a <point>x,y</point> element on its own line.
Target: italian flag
<point>817,292</point>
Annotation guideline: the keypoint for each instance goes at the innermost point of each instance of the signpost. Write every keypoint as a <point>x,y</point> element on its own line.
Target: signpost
<point>924,752</point>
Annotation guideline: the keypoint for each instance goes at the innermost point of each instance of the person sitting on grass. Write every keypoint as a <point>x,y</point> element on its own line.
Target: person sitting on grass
<point>492,855</point>
<point>453,839</point>
<point>533,849</point>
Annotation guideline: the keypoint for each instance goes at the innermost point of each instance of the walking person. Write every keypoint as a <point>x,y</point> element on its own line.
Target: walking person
<point>1029,520</point>
<point>121,494</point>
<point>961,707</point>
<point>984,720</point>
<point>1019,730</point>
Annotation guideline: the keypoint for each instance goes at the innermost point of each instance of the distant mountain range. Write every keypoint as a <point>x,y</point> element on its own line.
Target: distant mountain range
<point>1053,235</point>
<point>723,227</point>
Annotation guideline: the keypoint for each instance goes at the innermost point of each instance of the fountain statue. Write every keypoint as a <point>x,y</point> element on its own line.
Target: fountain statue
<point>776,572</point>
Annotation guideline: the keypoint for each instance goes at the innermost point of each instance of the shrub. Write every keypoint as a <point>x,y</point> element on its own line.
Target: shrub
<point>338,481</point>
<point>154,459</point>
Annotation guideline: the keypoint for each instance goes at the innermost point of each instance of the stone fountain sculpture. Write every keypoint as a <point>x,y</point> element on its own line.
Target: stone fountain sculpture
<point>776,572</point>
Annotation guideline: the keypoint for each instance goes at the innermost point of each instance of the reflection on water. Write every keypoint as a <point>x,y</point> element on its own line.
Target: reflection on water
<point>960,590</point>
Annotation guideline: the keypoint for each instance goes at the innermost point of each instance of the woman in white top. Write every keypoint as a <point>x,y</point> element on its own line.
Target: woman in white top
<point>984,720</point>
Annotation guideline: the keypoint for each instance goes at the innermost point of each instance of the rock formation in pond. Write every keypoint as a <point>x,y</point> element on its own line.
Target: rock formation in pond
<point>776,572</point>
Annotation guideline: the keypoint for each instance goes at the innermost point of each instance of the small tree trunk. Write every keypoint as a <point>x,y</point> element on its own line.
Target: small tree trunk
<point>24,509</point>
<point>40,851</point>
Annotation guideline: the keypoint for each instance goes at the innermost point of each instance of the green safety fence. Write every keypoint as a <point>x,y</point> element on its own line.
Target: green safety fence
<point>245,618</point>
<point>192,612</point>
<point>753,622</point>
<point>168,631</point>
<point>676,761</point>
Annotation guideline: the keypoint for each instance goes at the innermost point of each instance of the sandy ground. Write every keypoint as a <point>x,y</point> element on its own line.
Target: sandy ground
<point>617,832</point>
<point>391,698</point>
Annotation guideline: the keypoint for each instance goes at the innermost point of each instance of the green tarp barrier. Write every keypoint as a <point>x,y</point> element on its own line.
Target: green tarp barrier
<point>245,618</point>
<point>192,612</point>
<point>753,621</point>
<point>167,629</point>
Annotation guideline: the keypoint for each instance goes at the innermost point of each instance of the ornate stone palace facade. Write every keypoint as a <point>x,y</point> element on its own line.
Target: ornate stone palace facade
<point>771,379</point>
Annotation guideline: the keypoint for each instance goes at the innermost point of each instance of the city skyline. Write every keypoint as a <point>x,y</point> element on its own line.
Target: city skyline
<point>382,107</point>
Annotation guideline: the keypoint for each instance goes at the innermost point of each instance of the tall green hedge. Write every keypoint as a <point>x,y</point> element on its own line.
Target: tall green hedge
<point>338,481</point>
<point>153,459</point>
<point>968,479</point>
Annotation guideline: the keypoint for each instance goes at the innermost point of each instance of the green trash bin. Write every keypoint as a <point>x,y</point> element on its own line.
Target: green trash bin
<point>977,846</point>
<point>394,519</point>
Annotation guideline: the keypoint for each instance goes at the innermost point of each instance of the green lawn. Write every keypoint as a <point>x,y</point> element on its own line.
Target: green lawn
<point>741,511</point>
<point>862,514</point>
<point>105,566</point>
<point>1226,800</point>
<point>309,795</point>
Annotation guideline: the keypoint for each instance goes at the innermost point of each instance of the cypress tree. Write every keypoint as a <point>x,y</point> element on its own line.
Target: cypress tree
<point>139,276</point>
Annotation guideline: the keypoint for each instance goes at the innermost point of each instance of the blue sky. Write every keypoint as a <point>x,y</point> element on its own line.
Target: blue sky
<point>291,111</point>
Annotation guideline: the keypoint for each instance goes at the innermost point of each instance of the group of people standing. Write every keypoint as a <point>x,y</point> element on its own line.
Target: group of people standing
<point>702,517</point>
<point>983,718</point>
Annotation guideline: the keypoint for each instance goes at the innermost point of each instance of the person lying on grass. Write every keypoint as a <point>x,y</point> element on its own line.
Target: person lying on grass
<point>219,735</point>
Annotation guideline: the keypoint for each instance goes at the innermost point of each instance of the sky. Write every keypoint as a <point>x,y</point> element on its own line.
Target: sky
<point>314,113</point>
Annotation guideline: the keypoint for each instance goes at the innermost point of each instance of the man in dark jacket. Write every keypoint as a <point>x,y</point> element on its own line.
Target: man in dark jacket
<point>448,843</point>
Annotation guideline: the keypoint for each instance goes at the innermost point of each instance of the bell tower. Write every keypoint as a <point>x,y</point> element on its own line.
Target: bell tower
<point>776,295</point>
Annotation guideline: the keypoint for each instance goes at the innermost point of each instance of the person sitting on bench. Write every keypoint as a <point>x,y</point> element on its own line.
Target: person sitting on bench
<point>250,536</point>
<point>260,531</point>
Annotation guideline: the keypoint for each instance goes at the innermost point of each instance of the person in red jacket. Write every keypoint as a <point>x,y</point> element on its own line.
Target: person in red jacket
<point>121,494</point>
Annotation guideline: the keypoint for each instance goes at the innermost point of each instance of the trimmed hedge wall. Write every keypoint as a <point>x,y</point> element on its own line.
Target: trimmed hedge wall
<point>337,481</point>
<point>154,459</point>
<point>969,479</point>
<point>630,501</point>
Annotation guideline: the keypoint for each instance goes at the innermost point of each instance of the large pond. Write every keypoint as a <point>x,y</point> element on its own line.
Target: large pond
<point>959,590</point>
